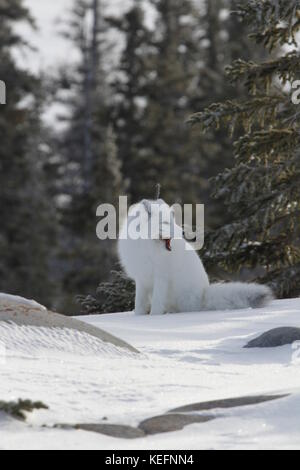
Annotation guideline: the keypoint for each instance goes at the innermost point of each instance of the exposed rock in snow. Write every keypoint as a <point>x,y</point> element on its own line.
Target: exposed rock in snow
<point>172,422</point>
<point>186,359</point>
<point>22,313</point>
<point>40,341</point>
<point>229,403</point>
<point>10,302</point>
<point>275,338</point>
<point>113,430</point>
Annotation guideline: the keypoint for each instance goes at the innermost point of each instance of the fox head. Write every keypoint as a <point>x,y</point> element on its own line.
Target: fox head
<point>155,220</point>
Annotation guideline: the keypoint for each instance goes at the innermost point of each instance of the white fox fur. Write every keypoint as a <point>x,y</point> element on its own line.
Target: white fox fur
<point>176,281</point>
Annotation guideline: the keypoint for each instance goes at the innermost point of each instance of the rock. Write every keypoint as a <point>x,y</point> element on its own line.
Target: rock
<point>156,425</point>
<point>171,422</point>
<point>24,312</point>
<point>113,430</point>
<point>11,302</point>
<point>228,403</point>
<point>275,338</point>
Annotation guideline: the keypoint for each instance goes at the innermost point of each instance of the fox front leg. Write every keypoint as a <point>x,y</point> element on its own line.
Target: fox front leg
<point>159,298</point>
<point>142,300</point>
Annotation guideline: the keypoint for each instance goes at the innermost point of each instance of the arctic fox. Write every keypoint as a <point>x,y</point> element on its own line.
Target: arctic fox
<point>169,275</point>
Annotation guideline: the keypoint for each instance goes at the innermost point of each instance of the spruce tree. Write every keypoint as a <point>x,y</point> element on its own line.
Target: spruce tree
<point>170,152</point>
<point>130,91</point>
<point>154,92</point>
<point>224,38</point>
<point>167,73</point>
<point>262,189</point>
<point>115,295</point>
<point>28,222</point>
<point>91,165</point>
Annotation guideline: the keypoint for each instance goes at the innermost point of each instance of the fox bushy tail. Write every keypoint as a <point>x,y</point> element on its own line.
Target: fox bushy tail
<point>236,295</point>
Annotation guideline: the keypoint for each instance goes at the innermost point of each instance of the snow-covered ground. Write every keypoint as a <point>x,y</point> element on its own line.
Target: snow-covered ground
<point>185,358</point>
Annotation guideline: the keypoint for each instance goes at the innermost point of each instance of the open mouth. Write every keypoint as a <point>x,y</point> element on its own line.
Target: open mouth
<point>168,244</point>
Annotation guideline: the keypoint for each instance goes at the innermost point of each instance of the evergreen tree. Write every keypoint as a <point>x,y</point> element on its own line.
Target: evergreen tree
<point>91,165</point>
<point>28,222</point>
<point>224,38</point>
<point>262,190</point>
<point>115,295</point>
<point>154,89</point>
<point>131,96</point>
<point>170,152</point>
<point>166,74</point>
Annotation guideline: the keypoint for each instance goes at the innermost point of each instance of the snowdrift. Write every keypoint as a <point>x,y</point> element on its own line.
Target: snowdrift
<point>193,374</point>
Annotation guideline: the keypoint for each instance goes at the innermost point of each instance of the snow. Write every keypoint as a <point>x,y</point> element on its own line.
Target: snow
<point>185,358</point>
<point>9,301</point>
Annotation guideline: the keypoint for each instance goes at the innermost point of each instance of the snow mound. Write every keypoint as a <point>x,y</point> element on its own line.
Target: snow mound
<point>22,313</point>
<point>185,359</point>
<point>10,302</point>
<point>31,341</point>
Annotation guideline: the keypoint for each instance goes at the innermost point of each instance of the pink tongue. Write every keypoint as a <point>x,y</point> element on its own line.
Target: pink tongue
<point>168,245</point>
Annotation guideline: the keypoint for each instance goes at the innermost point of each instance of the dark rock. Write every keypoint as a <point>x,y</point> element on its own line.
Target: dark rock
<point>175,420</point>
<point>113,430</point>
<point>228,403</point>
<point>275,338</point>
<point>171,422</point>
<point>66,427</point>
